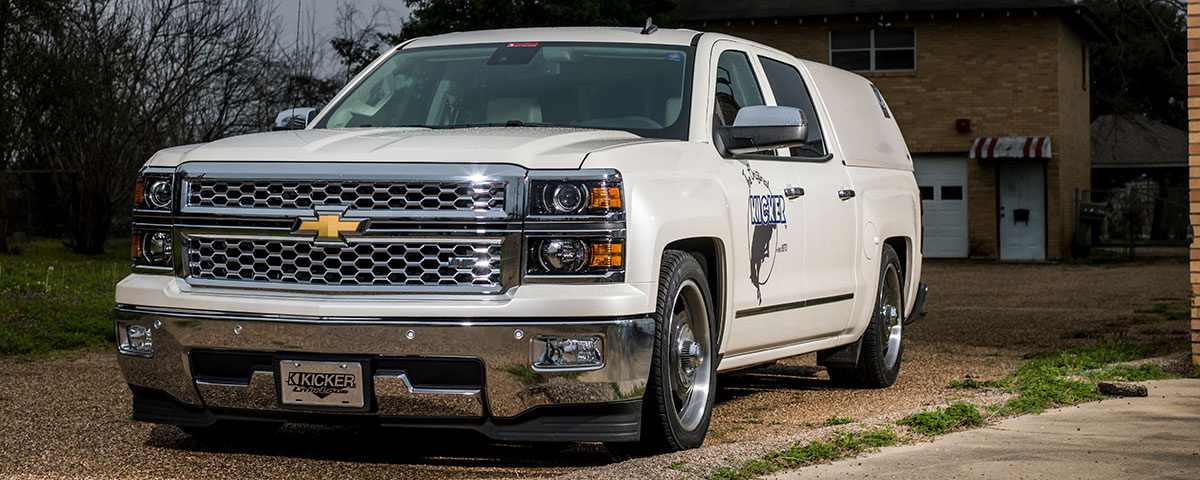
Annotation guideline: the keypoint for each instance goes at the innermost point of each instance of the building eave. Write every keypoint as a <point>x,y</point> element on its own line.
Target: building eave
<point>1078,16</point>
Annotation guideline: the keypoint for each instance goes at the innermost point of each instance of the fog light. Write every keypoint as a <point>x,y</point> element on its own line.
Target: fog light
<point>563,255</point>
<point>574,353</point>
<point>136,340</point>
<point>156,248</point>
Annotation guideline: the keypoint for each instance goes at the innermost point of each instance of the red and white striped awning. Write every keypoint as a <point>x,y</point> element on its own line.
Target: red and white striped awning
<point>1011,147</point>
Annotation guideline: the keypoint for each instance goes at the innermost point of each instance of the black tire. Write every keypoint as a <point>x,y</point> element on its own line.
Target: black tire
<point>877,367</point>
<point>669,424</point>
<point>233,431</point>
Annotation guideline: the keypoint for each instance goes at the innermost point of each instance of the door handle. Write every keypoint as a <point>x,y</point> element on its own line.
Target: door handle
<point>845,194</point>
<point>793,192</point>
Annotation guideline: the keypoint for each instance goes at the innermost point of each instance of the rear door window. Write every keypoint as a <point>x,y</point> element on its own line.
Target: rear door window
<point>791,91</point>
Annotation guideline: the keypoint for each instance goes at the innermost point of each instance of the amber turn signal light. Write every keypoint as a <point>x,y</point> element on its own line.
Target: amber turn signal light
<point>605,255</point>
<point>136,251</point>
<point>606,197</point>
<point>139,192</point>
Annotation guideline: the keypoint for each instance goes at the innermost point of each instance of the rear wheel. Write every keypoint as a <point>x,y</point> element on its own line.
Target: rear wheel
<point>681,390</point>
<point>883,341</point>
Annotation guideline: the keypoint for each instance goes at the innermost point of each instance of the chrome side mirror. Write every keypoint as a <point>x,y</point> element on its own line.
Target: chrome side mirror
<point>294,118</point>
<point>765,128</point>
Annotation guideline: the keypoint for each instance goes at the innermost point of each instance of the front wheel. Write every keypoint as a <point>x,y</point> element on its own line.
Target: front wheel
<point>882,343</point>
<point>681,390</point>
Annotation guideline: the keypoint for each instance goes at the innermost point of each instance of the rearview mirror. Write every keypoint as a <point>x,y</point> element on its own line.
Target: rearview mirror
<point>294,118</point>
<point>765,128</point>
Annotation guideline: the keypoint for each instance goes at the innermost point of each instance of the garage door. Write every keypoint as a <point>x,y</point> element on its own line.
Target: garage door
<point>943,182</point>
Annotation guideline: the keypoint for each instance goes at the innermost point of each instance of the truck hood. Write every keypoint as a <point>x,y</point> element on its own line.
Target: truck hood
<point>529,147</point>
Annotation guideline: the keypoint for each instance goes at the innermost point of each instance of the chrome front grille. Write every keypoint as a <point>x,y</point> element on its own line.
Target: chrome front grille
<point>379,264</point>
<point>425,228</point>
<point>454,196</point>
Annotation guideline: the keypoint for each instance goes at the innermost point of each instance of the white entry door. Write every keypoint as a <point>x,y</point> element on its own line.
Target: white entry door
<point>943,183</point>
<point>1022,214</point>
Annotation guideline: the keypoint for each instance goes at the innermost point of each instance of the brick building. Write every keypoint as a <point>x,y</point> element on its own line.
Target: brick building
<point>992,97</point>
<point>1193,58</point>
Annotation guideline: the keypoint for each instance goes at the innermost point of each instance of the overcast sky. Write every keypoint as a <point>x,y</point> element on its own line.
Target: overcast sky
<point>324,18</point>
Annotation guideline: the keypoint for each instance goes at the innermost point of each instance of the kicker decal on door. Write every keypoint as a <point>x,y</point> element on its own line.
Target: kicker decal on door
<point>766,212</point>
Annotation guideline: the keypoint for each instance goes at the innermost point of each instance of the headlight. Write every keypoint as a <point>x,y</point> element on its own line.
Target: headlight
<point>151,243</point>
<point>156,248</point>
<point>575,226</point>
<point>566,198</point>
<point>153,192</point>
<point>158,195</point>
<point>576,195</point>
<point>562,254</point>
<point>151,249</point>
<point>576,256</point>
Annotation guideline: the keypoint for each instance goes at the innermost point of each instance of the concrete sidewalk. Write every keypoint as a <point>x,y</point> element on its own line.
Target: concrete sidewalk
<point>1153,437</point>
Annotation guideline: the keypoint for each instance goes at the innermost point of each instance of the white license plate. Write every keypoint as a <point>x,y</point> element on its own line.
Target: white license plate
<point>321,384</point>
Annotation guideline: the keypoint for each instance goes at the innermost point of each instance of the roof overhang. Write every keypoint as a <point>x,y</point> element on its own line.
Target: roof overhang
<point>1075,14</point>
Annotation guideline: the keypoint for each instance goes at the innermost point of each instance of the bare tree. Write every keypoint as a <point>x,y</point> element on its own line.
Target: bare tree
<point>295,76</point>
<point>359,38</point>
<point>128,77</point>
<point>21,21</point>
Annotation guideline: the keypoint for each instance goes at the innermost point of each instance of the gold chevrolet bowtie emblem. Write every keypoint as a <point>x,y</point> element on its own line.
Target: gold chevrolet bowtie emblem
<point>329,228</point>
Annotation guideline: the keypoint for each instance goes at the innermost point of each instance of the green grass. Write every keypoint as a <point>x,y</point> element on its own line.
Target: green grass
<point>1046,380</point>
<point>679,466</point>
<point>1039,381</point>
<point>52,298</point>
<point>831,421</point>
<point>939,420</point>
<point>522,372</point>
<point>840,445</point>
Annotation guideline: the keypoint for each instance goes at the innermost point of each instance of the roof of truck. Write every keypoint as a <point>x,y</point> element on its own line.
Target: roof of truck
<point>663,36</point>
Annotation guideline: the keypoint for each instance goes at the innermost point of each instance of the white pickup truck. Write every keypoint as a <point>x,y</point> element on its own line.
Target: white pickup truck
<point>554,234</point>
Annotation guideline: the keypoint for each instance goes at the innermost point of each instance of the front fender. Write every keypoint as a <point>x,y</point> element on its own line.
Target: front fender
<point>673,191</point>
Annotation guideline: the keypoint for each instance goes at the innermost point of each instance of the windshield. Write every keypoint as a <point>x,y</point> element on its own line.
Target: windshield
<point>637,88</point>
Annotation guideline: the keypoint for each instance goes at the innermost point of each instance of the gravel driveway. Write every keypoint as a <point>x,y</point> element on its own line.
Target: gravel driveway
<point>70,416</point>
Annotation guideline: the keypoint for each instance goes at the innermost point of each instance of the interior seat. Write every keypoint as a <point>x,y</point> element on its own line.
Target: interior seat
<point>522,109</point>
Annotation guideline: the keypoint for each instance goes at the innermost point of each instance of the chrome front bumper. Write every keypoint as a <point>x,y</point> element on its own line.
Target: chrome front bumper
<point>503,349</point>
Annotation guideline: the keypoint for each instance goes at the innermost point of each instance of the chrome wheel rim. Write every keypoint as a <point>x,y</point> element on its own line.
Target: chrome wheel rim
<point>690,353</point>
<point>890,308</point>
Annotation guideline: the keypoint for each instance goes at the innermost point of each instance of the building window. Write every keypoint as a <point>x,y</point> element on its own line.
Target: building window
<point>875,49</point>
<point>952,192</point>
<point>926,193</point>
